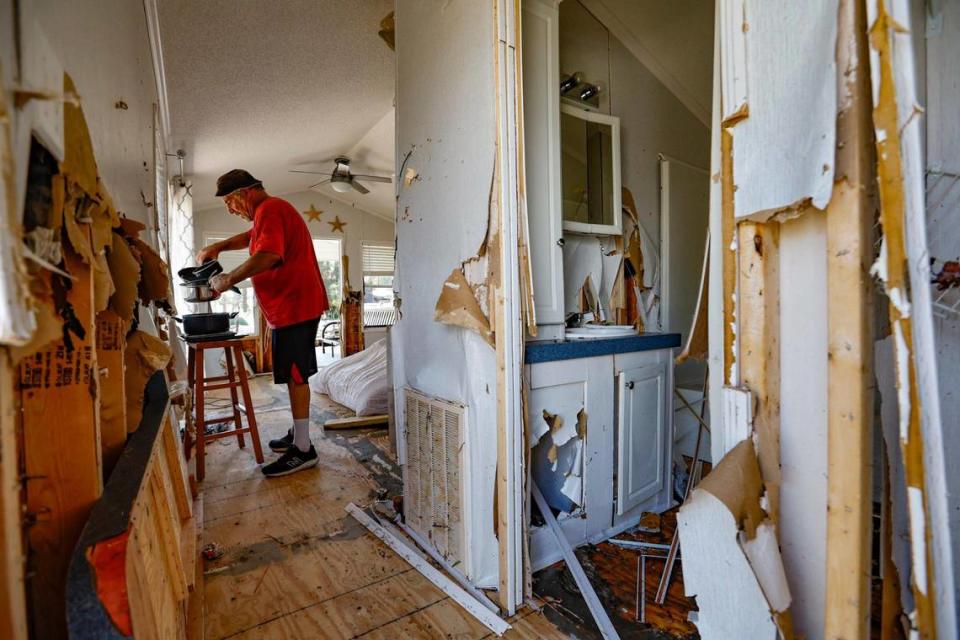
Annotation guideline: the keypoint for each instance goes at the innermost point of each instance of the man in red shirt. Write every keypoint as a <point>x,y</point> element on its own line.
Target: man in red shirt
<point>292,297</point>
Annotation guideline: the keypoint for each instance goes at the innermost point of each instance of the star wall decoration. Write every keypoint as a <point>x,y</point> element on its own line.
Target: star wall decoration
<point>313,214</point>
<point>337,224</point>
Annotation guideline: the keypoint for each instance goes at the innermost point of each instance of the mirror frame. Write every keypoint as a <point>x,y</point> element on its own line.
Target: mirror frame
<point>615,229</point>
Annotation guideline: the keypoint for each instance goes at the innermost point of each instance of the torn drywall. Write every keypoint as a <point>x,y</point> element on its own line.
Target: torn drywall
<point>731,561</point>
<point>906,264</point>
<point>17,321</point>
<point>582,273</point>
<point>126,276</point>
<point>458,306</point>
<point>736,482</point>
<point>783,155</point>
<point>144,355</point>
<point>476,278</point>
<point>643,256</point>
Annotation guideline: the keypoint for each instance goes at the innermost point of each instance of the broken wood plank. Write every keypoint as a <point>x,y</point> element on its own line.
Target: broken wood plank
<point>850,387</point>
<point>493,622</point>
<point>177,466</point>
<point>903,267</point>
<point>357,421</point>
<point>758,333</point>
<point>573,565</point>
<point>450,569</point>
<point>729,262</point>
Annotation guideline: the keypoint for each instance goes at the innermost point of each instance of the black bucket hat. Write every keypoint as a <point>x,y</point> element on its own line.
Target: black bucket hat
<point>234,180</point>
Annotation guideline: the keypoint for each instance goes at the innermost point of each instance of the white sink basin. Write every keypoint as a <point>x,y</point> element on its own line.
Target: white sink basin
<point>599,331</point>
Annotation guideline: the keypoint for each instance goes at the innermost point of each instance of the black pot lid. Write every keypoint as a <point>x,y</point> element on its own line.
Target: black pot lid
<point>200,274</point>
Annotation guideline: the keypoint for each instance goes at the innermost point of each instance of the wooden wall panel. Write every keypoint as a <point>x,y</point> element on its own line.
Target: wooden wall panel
<point>111,342</point>
<point>58,390</point>
<point>13,618</point>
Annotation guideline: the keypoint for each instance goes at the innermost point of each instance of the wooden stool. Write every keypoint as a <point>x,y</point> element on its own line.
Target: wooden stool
<point>236,377</point>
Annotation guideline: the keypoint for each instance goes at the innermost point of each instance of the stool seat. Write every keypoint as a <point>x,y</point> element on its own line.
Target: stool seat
<point>235,379</point>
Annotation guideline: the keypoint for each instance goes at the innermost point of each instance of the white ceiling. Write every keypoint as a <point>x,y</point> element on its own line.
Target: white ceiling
<point>272,86</point>
<point>267,86</point>
<point>373,155</point>
<point>674,40</point>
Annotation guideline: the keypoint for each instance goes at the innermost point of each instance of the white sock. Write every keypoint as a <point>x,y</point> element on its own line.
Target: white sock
<point>301,434</point>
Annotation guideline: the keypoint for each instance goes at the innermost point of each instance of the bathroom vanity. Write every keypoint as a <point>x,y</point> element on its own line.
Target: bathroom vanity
<point>600,397</point>
<point>617,464</point>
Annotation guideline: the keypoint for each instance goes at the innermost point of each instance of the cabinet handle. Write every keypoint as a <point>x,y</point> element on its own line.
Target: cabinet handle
<point>561,242</point>
<point>629,385</point>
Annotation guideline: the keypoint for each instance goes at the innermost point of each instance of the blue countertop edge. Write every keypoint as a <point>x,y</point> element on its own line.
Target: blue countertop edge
<point>552,350</point>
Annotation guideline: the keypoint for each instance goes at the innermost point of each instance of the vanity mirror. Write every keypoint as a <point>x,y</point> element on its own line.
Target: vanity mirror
<point>590,170</point>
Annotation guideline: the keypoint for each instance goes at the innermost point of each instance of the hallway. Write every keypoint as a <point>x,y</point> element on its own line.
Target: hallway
<point>294,565</point>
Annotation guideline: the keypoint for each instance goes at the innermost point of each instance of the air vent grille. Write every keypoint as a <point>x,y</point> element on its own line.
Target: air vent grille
<point>435,495</point>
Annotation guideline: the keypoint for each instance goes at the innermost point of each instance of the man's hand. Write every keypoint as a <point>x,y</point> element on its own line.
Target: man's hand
<point>220,282</point>
<point>208,253</point>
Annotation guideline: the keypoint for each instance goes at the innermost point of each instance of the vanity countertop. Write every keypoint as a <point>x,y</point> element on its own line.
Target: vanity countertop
<point>550,350</point>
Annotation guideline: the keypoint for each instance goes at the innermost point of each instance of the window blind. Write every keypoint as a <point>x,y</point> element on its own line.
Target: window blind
<point>377,260</point>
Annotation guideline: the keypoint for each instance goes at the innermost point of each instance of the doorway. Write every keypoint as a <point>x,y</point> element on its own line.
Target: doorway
<point>329,252</point>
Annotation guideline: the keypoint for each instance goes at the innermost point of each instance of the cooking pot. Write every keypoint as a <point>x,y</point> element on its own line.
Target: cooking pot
<point>202,291</point>
<point>198,324</point>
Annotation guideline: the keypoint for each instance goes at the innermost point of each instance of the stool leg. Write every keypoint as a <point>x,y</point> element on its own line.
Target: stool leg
<point>188,440</point>
<point>200,423</point>
<point>248,403</point>
<point>234,401</point>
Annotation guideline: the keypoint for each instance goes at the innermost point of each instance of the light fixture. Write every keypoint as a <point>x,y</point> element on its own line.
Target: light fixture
<point>569,83</point>
<point>589,91</point>
<point>340,184</point>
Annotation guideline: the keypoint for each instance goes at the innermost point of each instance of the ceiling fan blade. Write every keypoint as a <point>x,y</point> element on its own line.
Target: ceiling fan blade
<point>319,183</point>
<point>386,179</point>
<point>318,173</point>
<point>359,187</point>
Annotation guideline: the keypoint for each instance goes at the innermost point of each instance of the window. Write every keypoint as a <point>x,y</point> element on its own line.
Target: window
<point>245,304</point>
<point>378,285</point>
<point>328,259</point>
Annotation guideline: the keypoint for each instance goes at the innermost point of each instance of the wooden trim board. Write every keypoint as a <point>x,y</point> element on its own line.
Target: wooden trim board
<point>573,565</point>
<point>380,420</point>
<point>850,383</point>
<point>495,623</point>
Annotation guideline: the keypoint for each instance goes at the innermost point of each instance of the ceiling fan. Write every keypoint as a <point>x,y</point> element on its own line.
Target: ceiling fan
<point>341,179</point>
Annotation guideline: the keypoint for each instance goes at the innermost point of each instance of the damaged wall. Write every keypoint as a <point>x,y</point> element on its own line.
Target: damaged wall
<point>943,197</point>
<point>813,402</point>
<point>361,226</point>
<point>113,69</point>
<point>448,137</point>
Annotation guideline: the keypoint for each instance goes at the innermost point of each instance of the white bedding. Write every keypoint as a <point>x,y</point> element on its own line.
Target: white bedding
<point>358,381</point>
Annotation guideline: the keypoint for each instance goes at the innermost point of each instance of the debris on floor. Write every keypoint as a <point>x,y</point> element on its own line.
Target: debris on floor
<point>212,551</point>
<point>612,569</point>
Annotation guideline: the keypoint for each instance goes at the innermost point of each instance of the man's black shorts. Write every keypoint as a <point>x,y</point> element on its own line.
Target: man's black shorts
<point>294,352</point>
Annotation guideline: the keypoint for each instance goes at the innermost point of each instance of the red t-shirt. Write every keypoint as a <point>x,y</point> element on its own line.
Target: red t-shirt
<point>292,291</point>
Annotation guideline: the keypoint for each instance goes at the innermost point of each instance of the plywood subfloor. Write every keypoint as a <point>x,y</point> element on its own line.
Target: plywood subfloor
<point>296,566</point>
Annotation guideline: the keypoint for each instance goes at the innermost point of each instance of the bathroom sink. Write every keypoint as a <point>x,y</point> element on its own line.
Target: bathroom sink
<point>599,331</point>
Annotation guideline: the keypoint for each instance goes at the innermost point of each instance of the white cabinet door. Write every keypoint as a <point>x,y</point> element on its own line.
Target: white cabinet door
<point>564,388</point>
<point>642,434</point>
<point>541,125</point>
